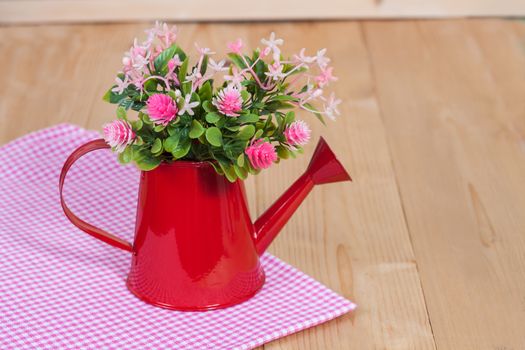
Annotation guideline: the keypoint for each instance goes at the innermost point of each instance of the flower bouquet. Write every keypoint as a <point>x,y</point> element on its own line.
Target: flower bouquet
<point>235,113</point>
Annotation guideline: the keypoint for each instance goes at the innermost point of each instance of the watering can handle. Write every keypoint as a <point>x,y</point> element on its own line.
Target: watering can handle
<point>81,224</point>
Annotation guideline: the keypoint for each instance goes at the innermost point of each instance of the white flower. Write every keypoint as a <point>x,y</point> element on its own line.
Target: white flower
<point>121,85</point>
<point>204,50</point>
<point>217,66</point>
<point>163,32</point>
<point>321,59</point>
<point>195,76</point>
<point>301,58</point>
<point>152,32</point>
<point>188,106</point>
<point>235,79</point>
<point>331,110</point>
<point>275,71</point>
<point>273,44</point>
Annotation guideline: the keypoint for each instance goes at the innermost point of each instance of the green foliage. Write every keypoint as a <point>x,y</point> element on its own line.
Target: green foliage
<point>214,136</point>
<point>196,129</point>
<point>206,134</point>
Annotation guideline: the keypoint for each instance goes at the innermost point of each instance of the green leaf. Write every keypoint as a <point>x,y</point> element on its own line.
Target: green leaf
<point>145,118</point>
<point>172,130</point>
<point>277,105</point>
<point>240,172</point>
<point>204,65</point>
<point>208,107</point>
<point>283,152</point>
<point>245,95</point>
<point>205,91</point>
<point>316,113</point>
<point>248,118</point>
<point>159,128</point>
<point>280,122</point>
<point>240,160</point>
<point>268,121</point>
<point>233,128</point>
<point>229,171</point>
<point>183,70</point>
<point>290,117</point>
<point>196,129</point>
<point>217,168</point>
<point>145,161</point>
<point>127,103</point>
<point>213,117</point>
<point>121,113</point>
<point>171,142</point>
<point>148,164</point>
<point>246,132</point>
<point>186,87</point>
<point>126,156</point>
<point>258,134</point>
<point>237,60</point>
<point>151,85</point>
<point>161,61</point>
<point>112,97</point>
<point>221,122</point>
<point>137,106</point>
<point>137,124</point>
<point>283,98</point>
<point>157,146</point>
<point>182,149</point>
<point>214,136</point>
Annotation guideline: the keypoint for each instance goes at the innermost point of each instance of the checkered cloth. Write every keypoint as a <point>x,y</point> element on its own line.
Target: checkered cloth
<point>60,288</point>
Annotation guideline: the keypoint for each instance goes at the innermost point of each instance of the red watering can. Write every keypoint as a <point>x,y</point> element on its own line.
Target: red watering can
<point>195,246</point>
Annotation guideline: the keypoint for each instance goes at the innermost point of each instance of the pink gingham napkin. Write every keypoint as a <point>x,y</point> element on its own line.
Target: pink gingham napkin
<point>60,288</point>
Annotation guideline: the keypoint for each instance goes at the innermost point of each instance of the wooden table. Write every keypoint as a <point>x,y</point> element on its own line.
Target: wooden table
<point>429,239</point>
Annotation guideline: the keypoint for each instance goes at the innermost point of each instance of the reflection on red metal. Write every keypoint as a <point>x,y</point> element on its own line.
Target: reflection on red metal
<point>195,246</point>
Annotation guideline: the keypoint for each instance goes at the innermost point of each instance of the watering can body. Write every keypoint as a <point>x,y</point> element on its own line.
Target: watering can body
<point>195,246</point>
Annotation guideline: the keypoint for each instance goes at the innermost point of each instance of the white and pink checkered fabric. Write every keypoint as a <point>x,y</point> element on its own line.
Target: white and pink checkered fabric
<point>60,288</point>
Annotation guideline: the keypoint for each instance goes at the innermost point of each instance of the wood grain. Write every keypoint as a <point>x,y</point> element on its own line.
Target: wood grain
<point>449,92</point>
<point>60,11</point>
<point>428,239</point>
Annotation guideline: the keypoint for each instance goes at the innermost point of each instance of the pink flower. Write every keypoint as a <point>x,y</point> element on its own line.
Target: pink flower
<point>321,59</point>
<point>261,154</point>
<point>138,55</point>
<point>275,71</point>
<point>235,46</point>
<point>204,50</point>
<point>161,108</point>
<point>228,101</point>
<point>166,35</point>
<point>301,58</point>
<point>266,51</point>
<point>235,79</point>
<point>297,133</point>
<point>118,134</point>
<point>325,77</point>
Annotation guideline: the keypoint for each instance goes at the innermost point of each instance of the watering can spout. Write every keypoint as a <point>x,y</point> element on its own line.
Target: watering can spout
<point>323,168</point>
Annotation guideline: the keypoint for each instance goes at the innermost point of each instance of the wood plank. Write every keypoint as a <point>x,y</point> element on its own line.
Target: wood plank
<point>452,96</point>
<point>41,11</point>
<point>352,237</point>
